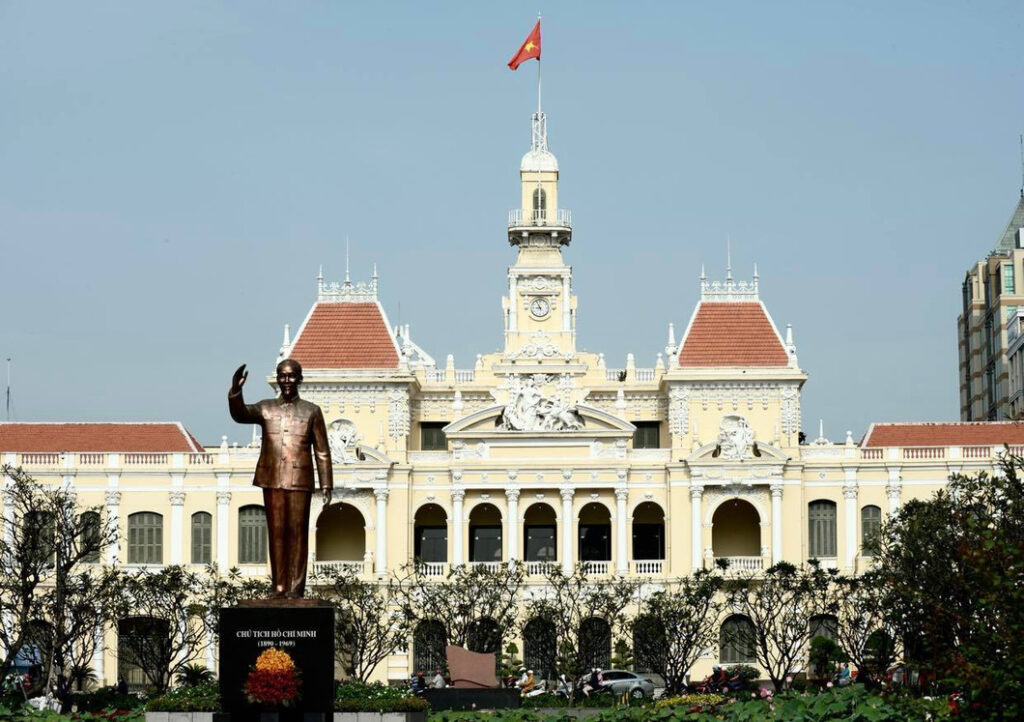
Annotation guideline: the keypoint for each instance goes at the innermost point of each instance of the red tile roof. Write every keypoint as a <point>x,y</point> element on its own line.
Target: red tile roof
<point>345,335</point>
<point>978,433</point>
<point>727,333</point>
<point>125,437</point>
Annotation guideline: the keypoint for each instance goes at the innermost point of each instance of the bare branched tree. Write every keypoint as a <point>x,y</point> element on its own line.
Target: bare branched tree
<point>369,624</point>
<point>676,624</point>
<point>49,551</point>
<point>578,607</point>
<point>780,603</point>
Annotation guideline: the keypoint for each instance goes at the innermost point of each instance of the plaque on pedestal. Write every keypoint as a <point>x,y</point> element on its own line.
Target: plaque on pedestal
<point>277,656</point>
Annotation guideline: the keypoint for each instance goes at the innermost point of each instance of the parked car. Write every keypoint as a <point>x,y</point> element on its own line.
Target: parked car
<point>619,682</point>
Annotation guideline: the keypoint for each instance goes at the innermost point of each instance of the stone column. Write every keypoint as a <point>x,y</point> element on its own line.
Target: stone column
<point>893,489</point>
<point>381,555</point>
<point>458,496</point>
<point>512,533</point>
<point>567,493</point>
<point>513,304</point>
<point>621,559</point>
<point>696,527</point>
<point>113,499</point>
<point>223,507</point>
<point>177,526</point>
<point>776,488</point>
<point>566,305</point>
<point>850,509</point>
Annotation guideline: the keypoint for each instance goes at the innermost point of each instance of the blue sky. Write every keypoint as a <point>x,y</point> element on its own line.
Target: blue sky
<point>172,175</point>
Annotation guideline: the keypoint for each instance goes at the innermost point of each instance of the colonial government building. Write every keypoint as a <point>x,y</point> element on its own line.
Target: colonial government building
<point>537,452</point>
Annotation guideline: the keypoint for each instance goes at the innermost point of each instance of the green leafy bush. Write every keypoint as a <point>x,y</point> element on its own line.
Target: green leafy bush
<point>201,698</point>
<point>382,704</point>
<point>374,690</point>
<point>104,698</point>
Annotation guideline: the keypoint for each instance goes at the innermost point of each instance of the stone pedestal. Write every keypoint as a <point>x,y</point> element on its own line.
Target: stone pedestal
<point>302,628</point>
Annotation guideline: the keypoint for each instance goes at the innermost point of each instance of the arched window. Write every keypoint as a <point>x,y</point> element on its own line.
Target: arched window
<point>870,527</point>
<point>595,643</point>
<point>145,538</point>
<point>539,647</point>
<point>90,540</point>
<point>252,535</point>
<point>650,645</point>
<point>39,537</point>
<point>824,625</point>
<point>37,650</point>
<point>202,538</point>
<point>736,641</point>
<point>821,529</point>
<point>428,646</point>
<point>143,651</point>
<point>540,200</point>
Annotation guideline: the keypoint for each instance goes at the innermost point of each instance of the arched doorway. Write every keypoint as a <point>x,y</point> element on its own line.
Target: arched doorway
<point>143,652</point>
<point>595,643</point>
<point>340,534</point>
<point>540,537</point>
<point>428,647</point>
<point>648,536</point>
<point>736,535</point>
<point>539,647</point>
<point>430,535</point>
<point>485,534</point>
<point>595,538</point>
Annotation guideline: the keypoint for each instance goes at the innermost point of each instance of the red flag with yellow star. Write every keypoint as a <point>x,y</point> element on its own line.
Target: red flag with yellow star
<point>529,50</point>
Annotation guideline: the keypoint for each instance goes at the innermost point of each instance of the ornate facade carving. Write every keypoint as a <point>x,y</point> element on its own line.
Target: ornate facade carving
<point>342,437</point>
<point>398,413</point>
<point>679,410</point>
<point>530,410</point>
<point>790,410</point>
<point>461,450</point>
<point>735,437</point>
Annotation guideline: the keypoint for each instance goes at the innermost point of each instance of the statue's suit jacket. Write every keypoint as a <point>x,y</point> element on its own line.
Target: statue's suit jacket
<point>289,429</point>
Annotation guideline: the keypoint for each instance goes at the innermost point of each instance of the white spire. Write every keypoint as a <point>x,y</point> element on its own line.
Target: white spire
<point>347,278</point>
<point>728,258</point>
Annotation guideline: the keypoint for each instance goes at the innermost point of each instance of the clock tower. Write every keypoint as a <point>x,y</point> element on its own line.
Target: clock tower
<point>540,309</point>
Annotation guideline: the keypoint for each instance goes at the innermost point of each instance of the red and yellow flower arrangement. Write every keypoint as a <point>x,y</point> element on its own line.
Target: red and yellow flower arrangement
<point>274,680</point>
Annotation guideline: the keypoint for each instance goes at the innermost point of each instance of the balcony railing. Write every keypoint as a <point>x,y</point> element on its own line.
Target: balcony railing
<point>440,375</point>
<point>539,569</point>
<point>489,566</point>
<point>340,567</point>
<point>559,218</point>
<point>648,567</point>
<point>598,567</point>
<point>432,569</point>
<point>743,565</point>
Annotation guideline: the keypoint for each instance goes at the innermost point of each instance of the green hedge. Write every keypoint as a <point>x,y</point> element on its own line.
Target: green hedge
<point>201,698</point>
<point>402,704</point>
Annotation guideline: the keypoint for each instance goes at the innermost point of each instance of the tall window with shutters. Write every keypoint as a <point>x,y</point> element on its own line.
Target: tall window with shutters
<point>90,527</point>
<point>145,538</point>
<point>821,532</point>
<point>202,538</point>
<point>870,527</point>
<point>252,535</point>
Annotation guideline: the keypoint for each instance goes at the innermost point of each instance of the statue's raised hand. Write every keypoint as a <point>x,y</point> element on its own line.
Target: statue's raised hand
<point>238,379</point>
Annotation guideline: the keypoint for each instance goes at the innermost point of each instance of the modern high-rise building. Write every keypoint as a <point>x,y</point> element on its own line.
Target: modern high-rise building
<point>992,293</point>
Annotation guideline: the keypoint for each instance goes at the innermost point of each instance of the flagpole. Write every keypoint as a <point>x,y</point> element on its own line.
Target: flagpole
<point>541,211</point>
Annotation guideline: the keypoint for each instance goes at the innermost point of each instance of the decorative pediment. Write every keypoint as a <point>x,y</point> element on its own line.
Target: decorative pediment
<point>493,422</point>
<point>758,453</point>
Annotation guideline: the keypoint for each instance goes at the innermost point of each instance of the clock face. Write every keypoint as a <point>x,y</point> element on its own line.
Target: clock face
<point>539,307</point>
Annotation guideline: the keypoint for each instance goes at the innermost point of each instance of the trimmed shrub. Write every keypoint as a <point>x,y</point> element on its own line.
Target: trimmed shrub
<point>201,698</point>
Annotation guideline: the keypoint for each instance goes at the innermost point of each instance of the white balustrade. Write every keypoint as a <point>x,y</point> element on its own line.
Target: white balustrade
<point>432,569</point>
<point>489,566</point>
<point>91,458</point>
<point>435,376</point>
<point>613,374</point>
<point>145,459</point>
<point>645,374</point>
<point>871,453</point>
<point>559,217</point>
<point>648,567</point>
<point>924,452</point>
<point>200,458</point>
<point>741,565</point>
<point>539,569</point>
<point>464,375</point>
<point>356,566</point>
<point>597,567</point>
<point>40,459</point>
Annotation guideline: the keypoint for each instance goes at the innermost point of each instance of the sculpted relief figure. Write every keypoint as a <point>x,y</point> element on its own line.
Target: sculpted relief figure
<point>291,427</point>
<point>735,437</point>
<point>530,410</point>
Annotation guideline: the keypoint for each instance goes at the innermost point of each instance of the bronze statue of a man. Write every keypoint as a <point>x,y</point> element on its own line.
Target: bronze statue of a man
<point>285,470</point>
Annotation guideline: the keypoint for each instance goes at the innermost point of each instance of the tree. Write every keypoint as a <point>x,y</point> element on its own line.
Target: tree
<point>461,601</point>
<point>676,624</point>
<point>570,603</point>
<point>369,625</point>
<point>862,629</point>
<point>953,567</point>
<point>779,604</point>
<point>45,551</point>
<point>164,626</point>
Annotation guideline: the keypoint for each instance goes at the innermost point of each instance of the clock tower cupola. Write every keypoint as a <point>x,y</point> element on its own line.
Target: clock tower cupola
<point>540,310</point>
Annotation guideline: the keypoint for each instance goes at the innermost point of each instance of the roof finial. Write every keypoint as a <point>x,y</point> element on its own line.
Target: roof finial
<point>755,271</point>
<point>728,258</point>
<point>347,279</point>
<point>1022,165</point>
<point>287,335</point>
<point>703,276</point>
<point>375,269</point>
